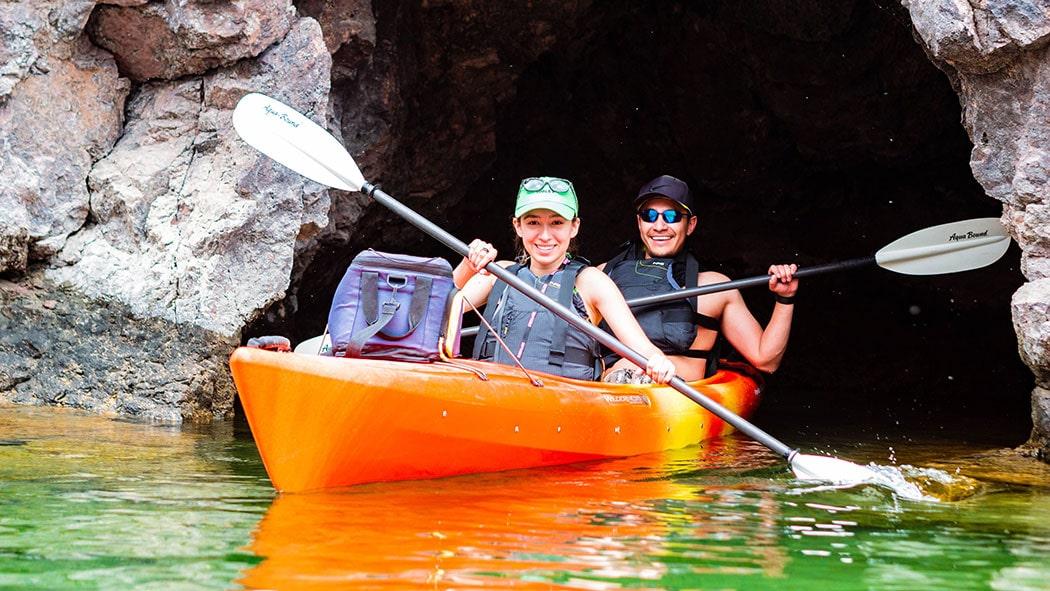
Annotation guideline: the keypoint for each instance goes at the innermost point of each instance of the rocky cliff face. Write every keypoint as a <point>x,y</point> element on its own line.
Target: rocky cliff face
<point>122,179</point>
<point>998,57</point>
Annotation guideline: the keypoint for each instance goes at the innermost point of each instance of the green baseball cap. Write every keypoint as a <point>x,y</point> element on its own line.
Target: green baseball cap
<point>546,192</point>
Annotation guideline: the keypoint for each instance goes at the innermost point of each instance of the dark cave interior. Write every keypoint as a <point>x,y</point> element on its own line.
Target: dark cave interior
<point>810,132</point>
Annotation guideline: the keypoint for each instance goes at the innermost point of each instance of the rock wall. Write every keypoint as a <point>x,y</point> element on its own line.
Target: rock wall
<point>61,109</point>
<point>998,56</point>
<point>187,222</point>
<point>58,347</point>
<point>123,180</point>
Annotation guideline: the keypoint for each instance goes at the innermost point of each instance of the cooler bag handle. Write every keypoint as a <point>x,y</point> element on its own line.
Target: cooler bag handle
<point>377,320</point>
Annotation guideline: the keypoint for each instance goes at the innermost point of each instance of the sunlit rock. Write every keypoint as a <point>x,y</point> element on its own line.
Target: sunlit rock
<point>170,39</point>
<point>17,50</point>
<point>189,223</point>
<point>61,109</point>
<point>979,37</point>
<point>1031,314</point>
<point>1030,227</point>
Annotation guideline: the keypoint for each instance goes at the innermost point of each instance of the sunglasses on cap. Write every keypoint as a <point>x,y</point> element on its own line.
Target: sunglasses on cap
<point>555,185</point>
<point>671,216</point>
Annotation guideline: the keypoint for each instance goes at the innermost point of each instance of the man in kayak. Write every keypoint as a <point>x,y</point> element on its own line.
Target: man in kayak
<point>687,330</point>
<point>546,222</point>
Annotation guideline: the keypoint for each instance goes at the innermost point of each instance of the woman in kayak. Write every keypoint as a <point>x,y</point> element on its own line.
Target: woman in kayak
<point>545,221</point>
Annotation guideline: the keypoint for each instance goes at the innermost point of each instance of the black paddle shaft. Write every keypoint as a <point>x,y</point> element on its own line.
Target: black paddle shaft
<point>749,282</point>
<point>565,314</point>
<point>682,294</point>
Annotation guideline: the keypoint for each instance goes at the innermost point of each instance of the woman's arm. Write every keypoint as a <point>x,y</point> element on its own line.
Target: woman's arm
<point>470,276</point>
<point>602,295</point>
<point>477,289</point>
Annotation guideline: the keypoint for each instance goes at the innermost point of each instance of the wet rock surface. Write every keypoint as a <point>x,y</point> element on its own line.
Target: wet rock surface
<point>60,348</point>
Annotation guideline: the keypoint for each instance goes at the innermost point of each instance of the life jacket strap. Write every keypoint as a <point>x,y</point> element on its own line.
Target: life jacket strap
<point>495,302</point>
<point>557,355</point>
<point>532,379</point>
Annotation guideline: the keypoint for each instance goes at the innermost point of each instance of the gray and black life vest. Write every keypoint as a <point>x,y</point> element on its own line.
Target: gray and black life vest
<point>539,339</point>
<point>671,326</point>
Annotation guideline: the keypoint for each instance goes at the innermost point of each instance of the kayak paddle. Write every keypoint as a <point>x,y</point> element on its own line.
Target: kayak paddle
<point>937,250</point>
<point>947,248</point>
<point>298,143</point>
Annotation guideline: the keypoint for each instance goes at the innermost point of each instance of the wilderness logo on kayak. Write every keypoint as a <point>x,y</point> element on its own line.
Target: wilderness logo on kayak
<point>626,398</point>
<point>280,115</point>
<point>967,236</point>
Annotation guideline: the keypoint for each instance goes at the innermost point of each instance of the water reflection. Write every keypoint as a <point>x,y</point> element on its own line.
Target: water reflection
<point>725,516</point>
<point>88,502</point>
<point>576,527</point>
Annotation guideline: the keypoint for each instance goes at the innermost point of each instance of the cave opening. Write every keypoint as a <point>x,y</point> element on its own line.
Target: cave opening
<point>810,132</point>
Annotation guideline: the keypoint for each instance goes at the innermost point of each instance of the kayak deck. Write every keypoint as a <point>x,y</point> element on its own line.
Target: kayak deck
<point>324,422</point>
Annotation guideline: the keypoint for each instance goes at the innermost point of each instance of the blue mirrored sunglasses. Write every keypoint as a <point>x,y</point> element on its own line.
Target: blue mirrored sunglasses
<point>671,216</point>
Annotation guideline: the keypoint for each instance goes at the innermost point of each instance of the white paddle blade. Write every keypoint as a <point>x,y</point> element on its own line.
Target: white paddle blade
<point>315,346</point>
<point>831,470</point>
<point>948,248</point>
<point>290,138</point>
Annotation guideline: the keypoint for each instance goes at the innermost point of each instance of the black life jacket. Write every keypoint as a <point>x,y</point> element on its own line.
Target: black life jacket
<point>540,340</point>
<point>671,326</point>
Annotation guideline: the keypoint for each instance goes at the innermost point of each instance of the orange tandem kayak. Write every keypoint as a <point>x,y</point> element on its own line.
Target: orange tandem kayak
<point>324,422</point>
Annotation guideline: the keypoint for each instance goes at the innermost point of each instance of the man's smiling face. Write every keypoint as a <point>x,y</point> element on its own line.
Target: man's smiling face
<point>661,239</point>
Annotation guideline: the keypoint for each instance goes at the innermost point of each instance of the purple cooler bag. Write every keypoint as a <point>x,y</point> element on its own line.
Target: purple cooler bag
<point>390,306</point>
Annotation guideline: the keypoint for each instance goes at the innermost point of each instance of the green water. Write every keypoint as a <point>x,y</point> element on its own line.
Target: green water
<point>92,503</point>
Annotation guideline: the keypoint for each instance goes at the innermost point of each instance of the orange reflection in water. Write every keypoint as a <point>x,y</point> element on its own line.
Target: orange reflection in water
<point>582,526</point>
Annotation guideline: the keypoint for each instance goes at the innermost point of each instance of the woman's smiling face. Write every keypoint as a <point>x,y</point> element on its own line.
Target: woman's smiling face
<point>546,237</point>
